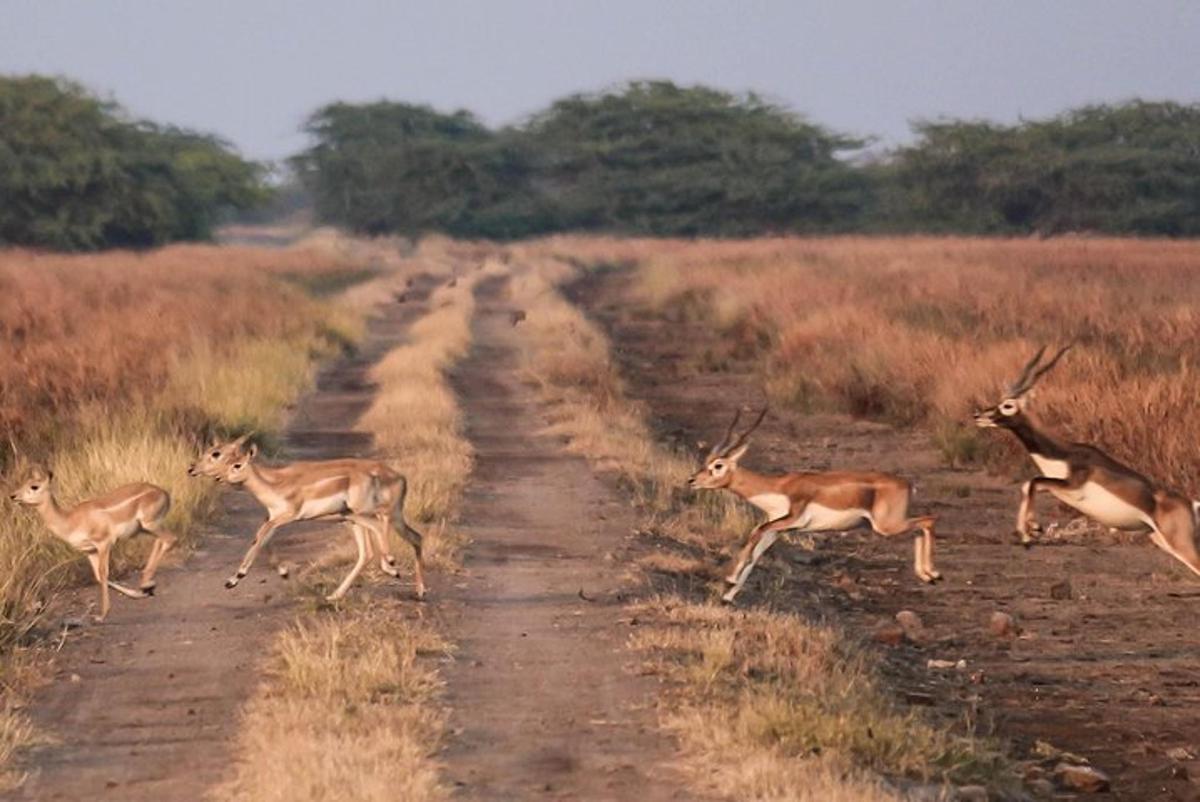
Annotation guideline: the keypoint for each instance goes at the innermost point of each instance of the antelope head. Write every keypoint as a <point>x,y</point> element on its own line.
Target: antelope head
<point>36,489</point>
<point>215,458</point>
<point>721,462</point>
<point>1011,408</point>
<point>237,469</point>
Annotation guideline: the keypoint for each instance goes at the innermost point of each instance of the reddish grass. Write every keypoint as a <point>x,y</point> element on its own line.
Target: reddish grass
<point>923,330</point>
<point>101,329</point>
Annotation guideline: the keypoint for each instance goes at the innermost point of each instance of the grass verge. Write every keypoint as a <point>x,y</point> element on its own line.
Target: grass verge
<point>348,708</point>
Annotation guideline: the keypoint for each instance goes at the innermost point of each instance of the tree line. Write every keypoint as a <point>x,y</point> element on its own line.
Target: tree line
<point>653,158</point>
<point>647,158</point>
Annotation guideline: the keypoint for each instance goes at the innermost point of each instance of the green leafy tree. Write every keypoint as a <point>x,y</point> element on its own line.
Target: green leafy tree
<point>1130,168</point>
<point>657,158</point>
<point>77,173</point>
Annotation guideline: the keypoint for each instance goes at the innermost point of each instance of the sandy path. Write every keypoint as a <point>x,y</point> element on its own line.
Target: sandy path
<point>1109,673</point>
<point>545,705</point>
<point>144,706</point>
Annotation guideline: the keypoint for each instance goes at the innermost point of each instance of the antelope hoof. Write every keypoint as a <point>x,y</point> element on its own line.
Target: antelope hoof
<point>935,576</point>
<point>332,597</point>
<point>148,590</point>
<point>729,596</point>
<point>232,582</point>
<point>420,593</point>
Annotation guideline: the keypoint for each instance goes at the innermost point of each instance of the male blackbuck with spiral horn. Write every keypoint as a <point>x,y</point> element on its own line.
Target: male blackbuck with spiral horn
<point>367,494</point>
<point>96,525</point>
<point>811,502</point>
<point>1085,478</point>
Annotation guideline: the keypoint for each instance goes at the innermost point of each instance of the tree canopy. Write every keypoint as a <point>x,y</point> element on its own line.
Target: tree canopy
<point>77,173</point>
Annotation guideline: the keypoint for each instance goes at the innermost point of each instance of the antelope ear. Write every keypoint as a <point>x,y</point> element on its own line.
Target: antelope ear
<point>736,454</point>
<point>253,450</point>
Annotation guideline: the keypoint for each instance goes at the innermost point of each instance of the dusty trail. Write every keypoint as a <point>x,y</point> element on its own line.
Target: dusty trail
<point>144,706</point>
<point>544,704</point>
<point>1108,673</point>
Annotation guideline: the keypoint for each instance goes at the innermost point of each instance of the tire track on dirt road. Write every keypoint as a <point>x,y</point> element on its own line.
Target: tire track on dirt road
<point>544,704</point>
<point>145,706</point>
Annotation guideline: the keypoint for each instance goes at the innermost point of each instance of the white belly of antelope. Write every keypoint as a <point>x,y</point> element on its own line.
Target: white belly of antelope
<point>316,507</point>
<point>1052,468</point>
<point>1105,507</point>
<point>816,518</point>
<point>775,505</point>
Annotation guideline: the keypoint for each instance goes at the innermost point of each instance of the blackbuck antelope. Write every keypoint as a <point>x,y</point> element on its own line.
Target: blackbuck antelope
<point>811,502</point>
<point>1085,478</point>
<point>94,526</point>
<point>367,494</point>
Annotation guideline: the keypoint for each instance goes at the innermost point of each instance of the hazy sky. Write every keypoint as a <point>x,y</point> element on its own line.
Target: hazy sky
<point>251,70</point>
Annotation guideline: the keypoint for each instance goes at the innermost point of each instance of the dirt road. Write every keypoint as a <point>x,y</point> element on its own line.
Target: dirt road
<point>1107,670</point>
<point>144,706</point>
<point>544,703</point>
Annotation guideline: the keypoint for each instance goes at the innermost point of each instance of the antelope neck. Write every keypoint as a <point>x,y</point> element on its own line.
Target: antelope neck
<point>52,515</point>
<point>1035,442</point>
<point>748,483</point>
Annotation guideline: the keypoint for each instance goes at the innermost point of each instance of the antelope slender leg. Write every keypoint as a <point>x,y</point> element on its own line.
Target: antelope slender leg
<point>379,525</point>
<point>261,538</point>
<point>163,543</point>
<point>99,561</point>
<point>922,543</point>
<point>1178,544</point>
<point>360,540</point>
<point>416,539</point>
<point>1028,491</point>
<point>761,538</point>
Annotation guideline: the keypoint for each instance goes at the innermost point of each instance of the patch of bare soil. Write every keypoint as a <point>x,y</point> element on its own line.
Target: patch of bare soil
<point>145,706</point>
<point>545,701</point>
<point>1106,665</point>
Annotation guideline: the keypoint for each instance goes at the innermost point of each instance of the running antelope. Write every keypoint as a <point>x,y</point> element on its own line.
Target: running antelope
<point>367,494</point>
<point>811,502</point>
<point>1085,478</point>
<point>94,526</point>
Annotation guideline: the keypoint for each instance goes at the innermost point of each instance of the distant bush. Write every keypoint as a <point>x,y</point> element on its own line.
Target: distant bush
<point>76,173</point>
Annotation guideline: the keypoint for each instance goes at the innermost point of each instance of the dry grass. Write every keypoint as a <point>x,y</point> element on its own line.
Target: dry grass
<point>111,365</point>
<point>344,714</point>
<point>767,704</point>
<point>348,710</point>
<point>924,330</point>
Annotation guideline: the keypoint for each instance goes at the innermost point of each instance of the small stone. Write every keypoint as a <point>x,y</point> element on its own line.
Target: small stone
<point>1002,625</point>
<point>1180,754</point>
<point>76,678</point>
<point>889,634</point>
<point>1080,778</point>
<point>971,793</point>
<point>1041,788</point>
<point>1061,591</point>
<point>913,627</point>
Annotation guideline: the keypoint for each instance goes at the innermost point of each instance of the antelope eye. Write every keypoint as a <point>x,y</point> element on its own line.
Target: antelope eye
<point>33,487</point>
<point>1008,407</point>
<point>216,455</point>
